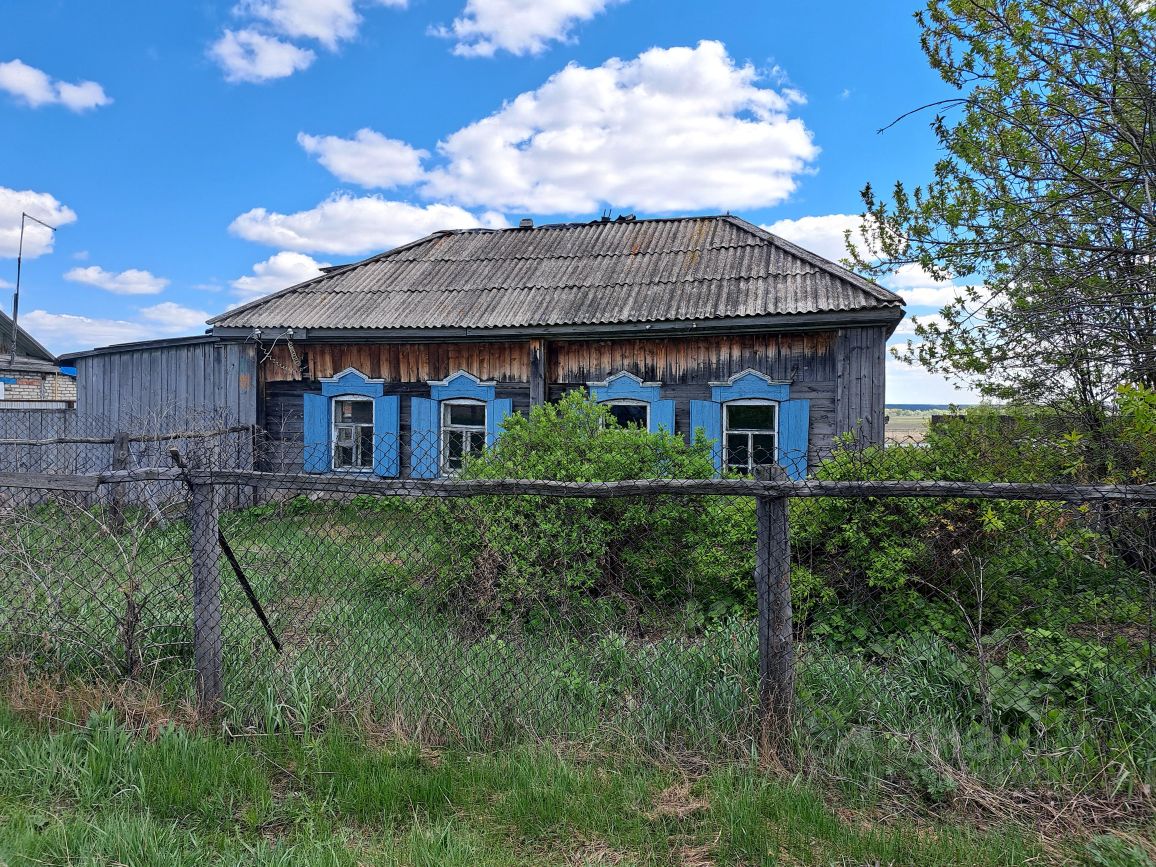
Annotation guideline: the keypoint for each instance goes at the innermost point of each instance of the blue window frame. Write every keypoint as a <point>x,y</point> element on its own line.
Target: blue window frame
<point>745,436</point>
<point>351,426</point>
<point>632,401</point>
<point>440,436</point>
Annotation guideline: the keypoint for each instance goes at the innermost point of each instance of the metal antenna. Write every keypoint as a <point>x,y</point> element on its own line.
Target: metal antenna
<point>24,218</point>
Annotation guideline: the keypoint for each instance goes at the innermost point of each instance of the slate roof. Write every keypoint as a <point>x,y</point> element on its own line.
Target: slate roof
<point>601,273</point>
<point>30,354</point>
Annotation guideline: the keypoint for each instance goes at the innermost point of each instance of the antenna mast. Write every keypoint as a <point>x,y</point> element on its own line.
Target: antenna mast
<point>24,218</point>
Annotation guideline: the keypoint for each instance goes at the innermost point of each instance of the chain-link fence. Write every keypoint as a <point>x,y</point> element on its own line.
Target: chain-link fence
<point>884,614</point>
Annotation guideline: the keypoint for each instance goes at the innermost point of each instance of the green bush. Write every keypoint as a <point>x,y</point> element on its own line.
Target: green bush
<point>920,566</point>
<point>519,558</point>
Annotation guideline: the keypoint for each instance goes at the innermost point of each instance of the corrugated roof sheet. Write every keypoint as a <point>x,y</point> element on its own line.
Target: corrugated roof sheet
<point>597,273</point>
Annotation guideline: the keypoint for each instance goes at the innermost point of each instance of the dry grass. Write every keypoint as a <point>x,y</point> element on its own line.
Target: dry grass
<point>136,707</point>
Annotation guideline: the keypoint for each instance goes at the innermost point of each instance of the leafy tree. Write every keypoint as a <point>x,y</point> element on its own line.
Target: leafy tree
<point>1045,195</point>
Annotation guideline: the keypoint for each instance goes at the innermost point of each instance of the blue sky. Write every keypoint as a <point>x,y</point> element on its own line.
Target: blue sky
<point>198,154</point>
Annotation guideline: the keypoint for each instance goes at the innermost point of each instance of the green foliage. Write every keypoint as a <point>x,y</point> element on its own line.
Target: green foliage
<point>922,565</point>
<point>593,557</point>
<point>1040,201</point>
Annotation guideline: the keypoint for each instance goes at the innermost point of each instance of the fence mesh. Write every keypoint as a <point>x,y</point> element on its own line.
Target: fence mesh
<point>920,641</point>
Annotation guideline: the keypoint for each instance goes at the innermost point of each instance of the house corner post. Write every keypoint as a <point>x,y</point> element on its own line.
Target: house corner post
<point>207,614</point>
<point>775,623</point>
<point>537,371</point>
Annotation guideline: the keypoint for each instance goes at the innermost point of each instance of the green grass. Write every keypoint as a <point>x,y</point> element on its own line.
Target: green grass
<point>344,587</point>
<point>94,794</point>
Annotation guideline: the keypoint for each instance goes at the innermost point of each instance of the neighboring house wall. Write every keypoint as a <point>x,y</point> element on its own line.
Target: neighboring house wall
<point>36,386</point>
<point>838,373</point>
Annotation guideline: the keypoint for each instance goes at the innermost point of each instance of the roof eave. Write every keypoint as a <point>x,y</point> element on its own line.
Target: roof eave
<point>885,316</point>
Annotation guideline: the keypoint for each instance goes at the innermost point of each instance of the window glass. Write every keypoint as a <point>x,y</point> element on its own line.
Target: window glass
<point>750,435</point>
<point>352,433</point>
<point>467,414</point>
<point>627,414</point>
<point>738,453</point>
<point>751,416</point>
<point>463,433</point>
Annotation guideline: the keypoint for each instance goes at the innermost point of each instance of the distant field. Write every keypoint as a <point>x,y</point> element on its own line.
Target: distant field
<point>905,425</point>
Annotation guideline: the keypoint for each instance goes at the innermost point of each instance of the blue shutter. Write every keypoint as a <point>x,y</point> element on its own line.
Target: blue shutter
<point>662,416</point>
<point>496,412</point>
<point>794,422</point>
<point>424,426</point>
<point>386,429</point>
<point>707,414</point>
<point>318,455</point>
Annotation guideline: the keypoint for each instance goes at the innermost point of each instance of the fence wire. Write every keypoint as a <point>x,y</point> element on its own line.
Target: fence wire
<point>911,639</point>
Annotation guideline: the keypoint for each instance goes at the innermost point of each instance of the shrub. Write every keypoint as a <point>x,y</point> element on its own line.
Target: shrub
<point>525,557</point>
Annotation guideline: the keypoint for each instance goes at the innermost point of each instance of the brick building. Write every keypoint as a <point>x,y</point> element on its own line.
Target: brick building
<point>30,376</point>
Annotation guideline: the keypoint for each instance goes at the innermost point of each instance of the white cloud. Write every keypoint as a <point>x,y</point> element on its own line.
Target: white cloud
<point>67,332</point>
<point>912,384</point>
<point>674,129</point>
<point>37,239</point>
<point>327,21</point>
<point>517,26</point>
<point>279,271</point>
<point>250,56</point>
<point>912,275</point>
<point>175,317</point>
<point>932,296</point>
<point>35,88</point>
<point>130,282</point>
<point>346,225</point>
<point>369,158</point>
<point>258,53</point>
<point>4,284</point>
<point>824,235</point>
<point>906,327</point>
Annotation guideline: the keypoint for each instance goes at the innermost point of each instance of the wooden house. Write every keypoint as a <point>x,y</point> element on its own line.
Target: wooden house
<point>405,362</point>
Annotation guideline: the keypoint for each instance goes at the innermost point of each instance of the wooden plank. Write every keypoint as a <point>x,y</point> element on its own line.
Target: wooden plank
<point>49,482</point>
<point>340,483</point>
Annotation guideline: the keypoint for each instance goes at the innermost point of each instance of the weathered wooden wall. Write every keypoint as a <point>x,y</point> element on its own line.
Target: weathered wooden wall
<point>200,382</point>
<point>684,365</point>
<point>683,360</point>
<point>860,383</point>
<point>400,362</point>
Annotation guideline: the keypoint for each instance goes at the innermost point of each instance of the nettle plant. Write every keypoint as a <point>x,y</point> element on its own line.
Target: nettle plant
<point>526,558</point>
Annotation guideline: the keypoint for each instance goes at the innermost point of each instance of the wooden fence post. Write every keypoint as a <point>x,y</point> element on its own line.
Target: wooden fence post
<point>206,551</point>
<point>120,456</point>
<point>776,639</point>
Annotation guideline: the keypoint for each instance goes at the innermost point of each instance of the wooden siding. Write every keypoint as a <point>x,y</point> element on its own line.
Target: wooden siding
<point>805,357</point>
<point>403,362</point>
<point>284,417</point>
<point>860,383</point>
<point>684,365</point>
<point>162,386</point>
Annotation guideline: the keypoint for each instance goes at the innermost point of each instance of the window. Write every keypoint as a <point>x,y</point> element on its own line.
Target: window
<point>352,433</point>
<point>750,434</point>
<point>463,432</point>
<point>629,412</point>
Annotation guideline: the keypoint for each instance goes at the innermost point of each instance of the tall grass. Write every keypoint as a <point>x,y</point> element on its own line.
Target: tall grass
<point>345,589</point>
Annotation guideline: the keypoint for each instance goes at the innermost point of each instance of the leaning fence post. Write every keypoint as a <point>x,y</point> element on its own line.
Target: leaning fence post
<point>206,552</point>
<point>776,639</point>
